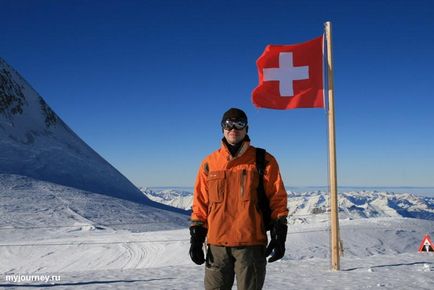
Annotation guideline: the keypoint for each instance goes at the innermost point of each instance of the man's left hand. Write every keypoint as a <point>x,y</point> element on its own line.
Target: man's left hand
<point>276,247</point>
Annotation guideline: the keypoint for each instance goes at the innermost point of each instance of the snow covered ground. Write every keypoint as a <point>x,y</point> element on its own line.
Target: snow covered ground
<point>90,241</point>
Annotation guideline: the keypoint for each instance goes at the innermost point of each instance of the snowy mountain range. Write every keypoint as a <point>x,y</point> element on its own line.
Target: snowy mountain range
<point>306,207</point>
<point>176,197</point>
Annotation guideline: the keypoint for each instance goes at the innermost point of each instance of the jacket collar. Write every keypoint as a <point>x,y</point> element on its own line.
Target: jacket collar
<point>245,144</point>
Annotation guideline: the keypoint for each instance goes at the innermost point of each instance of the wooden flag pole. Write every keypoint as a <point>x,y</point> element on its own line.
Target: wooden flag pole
<point>334,219</point>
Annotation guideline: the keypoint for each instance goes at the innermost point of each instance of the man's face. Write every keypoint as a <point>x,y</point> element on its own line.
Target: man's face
<point>234,135</point>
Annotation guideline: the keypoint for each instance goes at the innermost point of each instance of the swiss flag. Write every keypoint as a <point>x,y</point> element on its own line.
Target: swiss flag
<point>290,76</point>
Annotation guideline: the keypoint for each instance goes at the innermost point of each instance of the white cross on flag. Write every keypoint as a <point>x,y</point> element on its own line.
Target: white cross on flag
<point>290,76</point>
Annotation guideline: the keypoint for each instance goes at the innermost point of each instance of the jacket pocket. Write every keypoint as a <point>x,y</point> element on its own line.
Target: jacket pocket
<point>249,185</point>
<point>216,185</point>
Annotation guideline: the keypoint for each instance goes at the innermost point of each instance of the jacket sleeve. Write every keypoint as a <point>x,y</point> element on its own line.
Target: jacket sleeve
<point>275,189</point>
<point>200,196</point>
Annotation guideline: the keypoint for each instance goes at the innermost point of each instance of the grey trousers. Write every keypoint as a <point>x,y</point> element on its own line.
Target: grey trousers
<point>246,263</point>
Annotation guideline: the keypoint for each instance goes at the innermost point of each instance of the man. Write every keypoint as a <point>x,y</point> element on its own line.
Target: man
<point>227,213</point>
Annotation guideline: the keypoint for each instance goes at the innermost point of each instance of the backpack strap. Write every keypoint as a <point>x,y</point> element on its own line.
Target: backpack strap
<point>263,201</point>
<point>260,163</point>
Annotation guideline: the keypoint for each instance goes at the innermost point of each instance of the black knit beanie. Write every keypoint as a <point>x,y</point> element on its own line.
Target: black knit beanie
<point>234,114</point>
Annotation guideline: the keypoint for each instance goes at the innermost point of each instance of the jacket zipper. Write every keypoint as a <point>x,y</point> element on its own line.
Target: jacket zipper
<point>243,178</point>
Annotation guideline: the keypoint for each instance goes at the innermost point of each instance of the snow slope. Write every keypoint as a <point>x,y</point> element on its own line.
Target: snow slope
<point>35,142</point>
<point>92,241</point>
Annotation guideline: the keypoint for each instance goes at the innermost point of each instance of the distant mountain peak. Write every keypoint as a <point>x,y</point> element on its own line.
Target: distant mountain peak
<point>307,207</point>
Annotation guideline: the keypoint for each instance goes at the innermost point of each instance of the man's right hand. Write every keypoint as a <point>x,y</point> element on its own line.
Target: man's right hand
<point>197,238</point>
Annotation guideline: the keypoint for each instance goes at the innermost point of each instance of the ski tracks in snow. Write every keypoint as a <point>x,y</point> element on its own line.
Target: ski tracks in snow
<point>155,253</point>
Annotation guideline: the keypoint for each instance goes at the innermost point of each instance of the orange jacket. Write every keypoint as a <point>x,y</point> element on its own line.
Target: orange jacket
<point>225,197</point>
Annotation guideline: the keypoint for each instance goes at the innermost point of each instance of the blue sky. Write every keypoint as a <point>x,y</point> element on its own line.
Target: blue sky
<point>145,83</point>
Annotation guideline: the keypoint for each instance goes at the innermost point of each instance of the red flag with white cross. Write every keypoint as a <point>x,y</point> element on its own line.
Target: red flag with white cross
<point>290,76</point>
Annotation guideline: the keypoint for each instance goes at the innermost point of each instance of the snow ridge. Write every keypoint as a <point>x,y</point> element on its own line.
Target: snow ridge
<point>39,207</point>
<point>35,142</point>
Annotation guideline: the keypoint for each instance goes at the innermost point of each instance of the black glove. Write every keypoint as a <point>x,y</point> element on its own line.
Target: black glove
<point>198,235</point>
<point>278,238</point>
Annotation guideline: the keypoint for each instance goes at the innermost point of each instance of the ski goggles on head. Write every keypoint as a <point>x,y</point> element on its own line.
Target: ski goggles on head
<point>234,124</point>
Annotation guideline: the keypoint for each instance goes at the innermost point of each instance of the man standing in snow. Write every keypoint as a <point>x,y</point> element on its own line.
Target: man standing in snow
<point>227,213</point>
